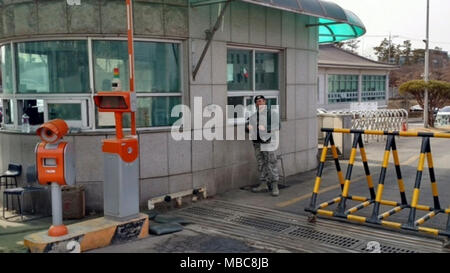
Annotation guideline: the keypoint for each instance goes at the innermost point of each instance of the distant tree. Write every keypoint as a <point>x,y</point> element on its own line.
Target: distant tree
<point>350,45</point>
<point>387,52</point>
<point>382,50</point>
<point>438,94</point>
<point>406,52</point>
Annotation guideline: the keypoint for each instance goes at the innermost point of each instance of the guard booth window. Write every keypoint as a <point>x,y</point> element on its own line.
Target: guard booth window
<point>6,67</point>
<point>34,110</point>
<point>8,112</point>
<point>52,67</point>
<point>239,70</point>
<point>342,88</point>
<point>251,72</point>
<point>157,78</point>
<point>374,88</point>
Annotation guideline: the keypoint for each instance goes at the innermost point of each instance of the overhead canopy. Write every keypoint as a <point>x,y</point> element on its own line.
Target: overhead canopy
<point>335,23</point>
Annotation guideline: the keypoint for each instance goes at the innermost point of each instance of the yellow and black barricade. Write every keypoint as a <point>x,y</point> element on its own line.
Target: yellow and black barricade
<point>376,199</point>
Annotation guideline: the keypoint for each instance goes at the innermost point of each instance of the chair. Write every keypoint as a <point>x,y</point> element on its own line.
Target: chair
<point>14,170</point>
<point>19,192</point>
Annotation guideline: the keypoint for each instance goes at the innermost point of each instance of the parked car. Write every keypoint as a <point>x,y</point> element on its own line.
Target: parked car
<point>415,108</point>
<point>443,116</point>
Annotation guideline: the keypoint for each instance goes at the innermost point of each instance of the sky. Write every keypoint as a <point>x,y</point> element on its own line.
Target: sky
<point>403,18</point>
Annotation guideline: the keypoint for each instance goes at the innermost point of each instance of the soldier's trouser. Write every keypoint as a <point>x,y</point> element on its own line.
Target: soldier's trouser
<point>267,165</point>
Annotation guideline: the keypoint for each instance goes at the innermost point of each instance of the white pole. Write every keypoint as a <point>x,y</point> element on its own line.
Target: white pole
<point>427,61</point>
<point>57,212</point>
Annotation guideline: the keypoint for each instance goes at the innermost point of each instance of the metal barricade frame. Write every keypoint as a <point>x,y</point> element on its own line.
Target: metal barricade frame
<point>376,198</point>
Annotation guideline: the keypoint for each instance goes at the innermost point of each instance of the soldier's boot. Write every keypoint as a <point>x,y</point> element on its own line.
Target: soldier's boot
<point>262,187</point>
<point>275,190</point>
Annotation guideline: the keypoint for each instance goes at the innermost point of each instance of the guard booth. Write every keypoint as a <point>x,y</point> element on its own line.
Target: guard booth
<point>122,220</point>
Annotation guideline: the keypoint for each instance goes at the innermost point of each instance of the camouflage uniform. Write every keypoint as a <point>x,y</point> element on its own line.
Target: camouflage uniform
<point>267,165</point>
<point>267,160</point>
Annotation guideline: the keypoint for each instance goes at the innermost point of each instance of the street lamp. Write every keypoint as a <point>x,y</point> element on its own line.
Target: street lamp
<point>427,61</point>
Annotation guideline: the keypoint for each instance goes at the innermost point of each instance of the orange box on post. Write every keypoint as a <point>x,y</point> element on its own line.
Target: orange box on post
<point>116,101</point>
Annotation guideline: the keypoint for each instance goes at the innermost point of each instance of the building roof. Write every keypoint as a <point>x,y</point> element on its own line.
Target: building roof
<point>334,57</point>
<point>335,23</point>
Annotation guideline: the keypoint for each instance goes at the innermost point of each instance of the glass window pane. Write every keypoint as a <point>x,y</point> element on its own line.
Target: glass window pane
<point>6,66</point>
<point>52,67</point>
<point>107,56</point>
<point>157,67</point>
<point>239,73</point>
<point>34,110</point>
<point>235,101</point>
<point>342,88</point>
<point>267,71</point>
<point>153,112</point>
<point>156,111</point>
<point>8,111</point>
<point>66,111</point>
<point>271,102</point>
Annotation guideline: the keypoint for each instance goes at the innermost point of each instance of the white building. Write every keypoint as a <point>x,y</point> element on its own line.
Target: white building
<point>345,77</point>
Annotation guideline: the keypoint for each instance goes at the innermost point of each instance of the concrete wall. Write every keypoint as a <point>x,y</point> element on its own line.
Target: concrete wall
<point>268,28</point>
<point>168,166</point>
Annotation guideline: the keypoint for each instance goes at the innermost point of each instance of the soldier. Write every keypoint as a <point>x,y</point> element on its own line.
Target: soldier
<point>261,126</point>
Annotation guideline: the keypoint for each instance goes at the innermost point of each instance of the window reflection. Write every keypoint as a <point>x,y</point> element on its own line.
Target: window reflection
<point>52,67</point>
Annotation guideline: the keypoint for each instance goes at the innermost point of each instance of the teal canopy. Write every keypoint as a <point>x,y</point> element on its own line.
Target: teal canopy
<point>335,23</point>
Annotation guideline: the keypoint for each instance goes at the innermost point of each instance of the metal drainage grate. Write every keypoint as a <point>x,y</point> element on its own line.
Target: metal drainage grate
<point>390,249</point>
<point>261,223</point>
<point>207,212</point>
<point>324,237</point>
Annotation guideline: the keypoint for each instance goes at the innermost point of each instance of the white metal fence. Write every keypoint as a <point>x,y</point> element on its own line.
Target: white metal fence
<point>379,120</point>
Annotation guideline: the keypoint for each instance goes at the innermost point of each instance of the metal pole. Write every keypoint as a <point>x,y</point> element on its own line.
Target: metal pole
<point>130,34</point>
<point>426,74</point>
<point>56,205</point>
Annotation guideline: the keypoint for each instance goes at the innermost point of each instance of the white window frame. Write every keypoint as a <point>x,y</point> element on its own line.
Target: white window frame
<point>374,95</point>
<point>340,94</point>
<point>268,94</point>
<point>82,124</point>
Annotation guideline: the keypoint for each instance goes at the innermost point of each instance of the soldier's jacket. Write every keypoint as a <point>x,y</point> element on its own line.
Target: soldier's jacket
<point>269,119</point>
